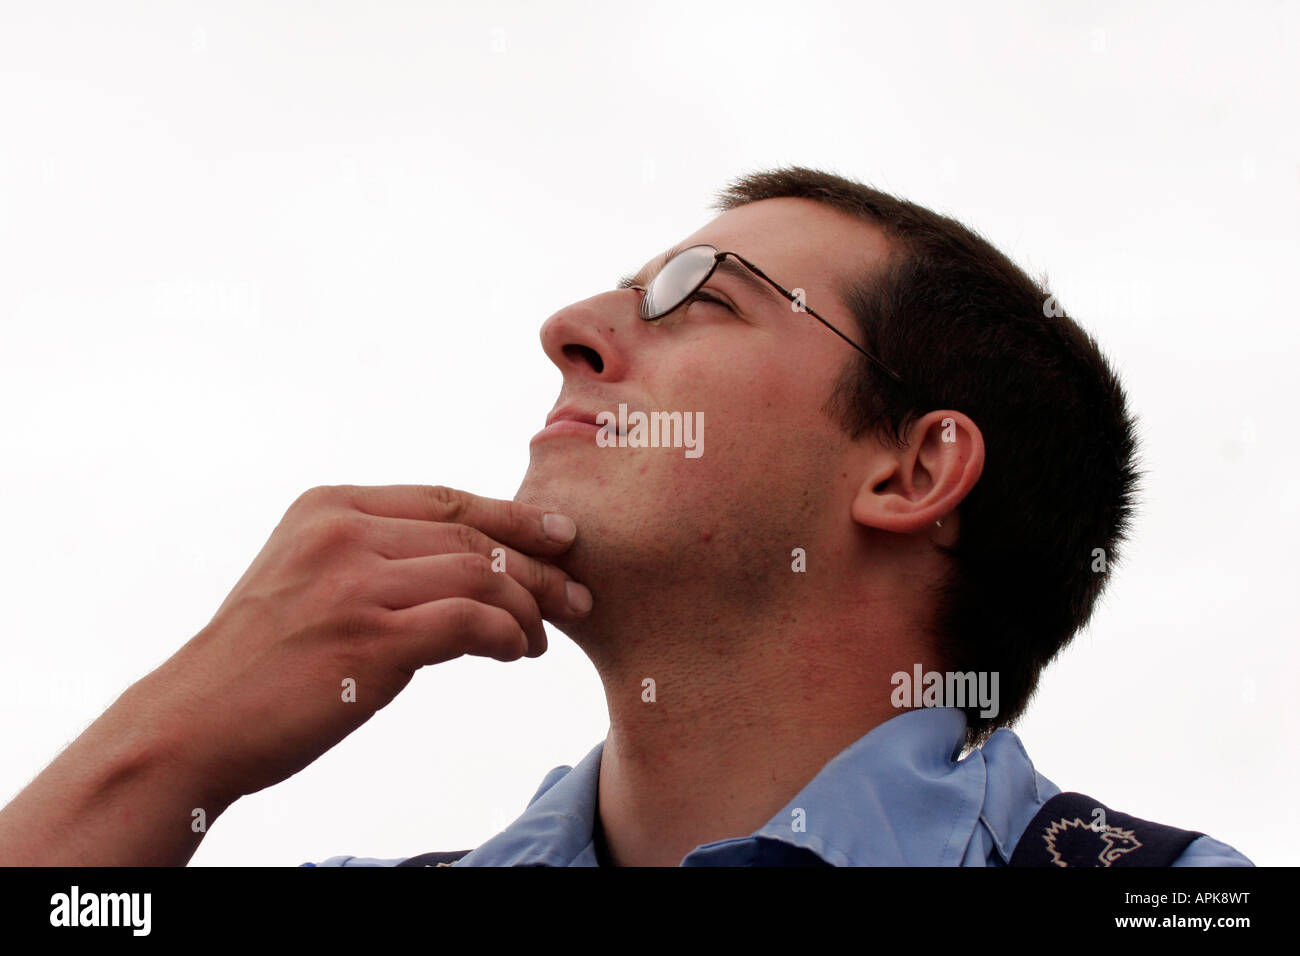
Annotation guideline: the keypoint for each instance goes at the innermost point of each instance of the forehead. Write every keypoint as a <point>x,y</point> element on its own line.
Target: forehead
<point>798,242</point>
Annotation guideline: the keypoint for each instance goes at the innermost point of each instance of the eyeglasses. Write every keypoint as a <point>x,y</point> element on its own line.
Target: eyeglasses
<point>684,274</point>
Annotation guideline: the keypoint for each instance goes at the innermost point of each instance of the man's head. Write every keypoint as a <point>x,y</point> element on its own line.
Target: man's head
<point>1011,432</point>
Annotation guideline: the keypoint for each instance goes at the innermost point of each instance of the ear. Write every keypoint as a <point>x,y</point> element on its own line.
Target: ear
<point>907,490</point>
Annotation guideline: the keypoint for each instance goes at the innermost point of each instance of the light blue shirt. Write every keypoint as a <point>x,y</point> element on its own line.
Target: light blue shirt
<point>899,796</point>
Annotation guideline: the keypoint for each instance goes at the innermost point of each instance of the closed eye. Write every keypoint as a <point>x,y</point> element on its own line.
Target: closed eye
<point>702,295</point>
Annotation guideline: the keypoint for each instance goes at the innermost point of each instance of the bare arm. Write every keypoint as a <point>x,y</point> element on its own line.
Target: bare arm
<point>356,589</point>
<point>118,795</point>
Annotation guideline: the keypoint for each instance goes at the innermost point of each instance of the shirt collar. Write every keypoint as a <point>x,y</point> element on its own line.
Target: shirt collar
<point>556,829</point>
<point>898,796</point>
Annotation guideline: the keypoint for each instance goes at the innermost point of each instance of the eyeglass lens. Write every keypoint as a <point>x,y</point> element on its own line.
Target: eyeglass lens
<point>676,280</point>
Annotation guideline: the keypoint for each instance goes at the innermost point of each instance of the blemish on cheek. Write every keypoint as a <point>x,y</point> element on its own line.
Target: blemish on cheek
<point>706,537</point>
<point>643,469</point>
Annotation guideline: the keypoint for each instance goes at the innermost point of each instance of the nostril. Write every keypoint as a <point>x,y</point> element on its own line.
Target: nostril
<point>583,353</point>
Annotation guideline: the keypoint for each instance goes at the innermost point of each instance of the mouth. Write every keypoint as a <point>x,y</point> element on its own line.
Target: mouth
<point>570,415</point>
<point>573,414</point>
<point>574,422</point>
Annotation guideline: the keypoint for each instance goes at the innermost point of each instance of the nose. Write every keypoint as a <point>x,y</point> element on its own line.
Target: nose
<point>592,338</point>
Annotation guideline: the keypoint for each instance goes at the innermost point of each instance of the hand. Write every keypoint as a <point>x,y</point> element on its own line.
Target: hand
<point>356,588</point>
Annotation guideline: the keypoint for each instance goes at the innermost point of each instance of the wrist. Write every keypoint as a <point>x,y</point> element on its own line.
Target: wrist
<point>148,743</point>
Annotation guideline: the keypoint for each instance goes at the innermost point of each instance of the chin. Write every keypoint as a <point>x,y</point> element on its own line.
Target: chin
<point>575,492</point>
<point>549,493</point>
<point>587,506</point>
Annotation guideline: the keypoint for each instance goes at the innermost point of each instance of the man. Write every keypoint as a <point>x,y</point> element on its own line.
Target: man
<point>916,476</point>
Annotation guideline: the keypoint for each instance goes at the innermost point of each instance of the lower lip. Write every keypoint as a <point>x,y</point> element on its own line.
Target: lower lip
<point>567,427</point>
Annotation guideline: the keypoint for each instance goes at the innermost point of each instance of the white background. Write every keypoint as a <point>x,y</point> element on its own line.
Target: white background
<point>250,248</point>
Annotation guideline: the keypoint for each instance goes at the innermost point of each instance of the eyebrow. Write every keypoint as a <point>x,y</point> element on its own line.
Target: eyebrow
<point>728,265</point>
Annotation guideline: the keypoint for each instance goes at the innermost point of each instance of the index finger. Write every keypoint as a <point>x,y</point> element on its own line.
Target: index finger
<point>527,528</point>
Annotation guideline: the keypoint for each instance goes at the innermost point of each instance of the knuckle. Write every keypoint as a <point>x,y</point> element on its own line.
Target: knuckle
<point>466,539</point>
<point>304,501</point>
<point>446,503</point>
<point>462,616</point>
<point>315,501</point>
<point>356,653</point>
<point>319,494</point>
<point>346,590</point>
<point>338,530</point>
<point>384,623</point>
<point>479,576</point>
<point>534,609</point>
<point>541,579</point>
<point>518,519</point>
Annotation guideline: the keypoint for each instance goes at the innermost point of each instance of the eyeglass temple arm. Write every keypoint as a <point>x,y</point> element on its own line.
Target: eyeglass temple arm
<point>789,295</point>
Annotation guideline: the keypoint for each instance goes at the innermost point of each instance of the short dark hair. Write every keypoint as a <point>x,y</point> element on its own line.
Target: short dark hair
<point>969,330</point>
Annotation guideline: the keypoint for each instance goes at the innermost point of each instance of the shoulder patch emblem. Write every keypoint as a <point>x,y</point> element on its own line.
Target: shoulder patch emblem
<point>1068,840</point>
<point>1072,829</point>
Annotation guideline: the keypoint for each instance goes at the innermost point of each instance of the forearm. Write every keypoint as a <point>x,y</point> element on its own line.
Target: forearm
<point>119,795</point>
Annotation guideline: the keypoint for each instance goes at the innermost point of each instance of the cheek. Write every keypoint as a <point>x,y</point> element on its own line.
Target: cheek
<point>743,437</point>
<point>733,380</point>
<point>760,411</point>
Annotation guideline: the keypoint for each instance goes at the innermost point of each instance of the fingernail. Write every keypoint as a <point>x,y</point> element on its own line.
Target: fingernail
<point>558,527</point>
<point>578,596</point>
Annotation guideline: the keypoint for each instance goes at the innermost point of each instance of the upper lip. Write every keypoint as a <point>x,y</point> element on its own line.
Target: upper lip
<point>569,412</point>
<point>573,413</point>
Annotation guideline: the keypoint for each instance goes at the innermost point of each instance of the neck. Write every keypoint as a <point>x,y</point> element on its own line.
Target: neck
<point>715,727</point>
